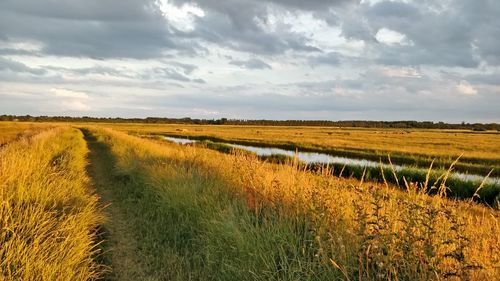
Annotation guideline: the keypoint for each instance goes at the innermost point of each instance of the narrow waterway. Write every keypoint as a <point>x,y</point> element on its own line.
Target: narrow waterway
<point>316,157</point>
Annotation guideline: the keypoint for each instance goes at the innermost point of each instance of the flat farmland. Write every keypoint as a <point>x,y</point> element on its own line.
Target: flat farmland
<point>432,143</point>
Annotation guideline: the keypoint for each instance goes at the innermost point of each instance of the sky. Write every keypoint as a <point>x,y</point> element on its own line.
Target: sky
<point>252,59</point>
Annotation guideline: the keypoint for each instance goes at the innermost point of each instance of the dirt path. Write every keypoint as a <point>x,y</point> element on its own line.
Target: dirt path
<point>121,252</point>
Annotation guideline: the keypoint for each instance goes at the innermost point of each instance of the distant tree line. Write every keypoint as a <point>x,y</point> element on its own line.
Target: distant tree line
<point>224,121</point>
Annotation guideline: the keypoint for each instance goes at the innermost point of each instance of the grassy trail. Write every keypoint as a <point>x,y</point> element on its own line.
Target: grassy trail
<point>121,250</point>
<point>187,213</point>
<point>48,213</point>
<point>171,220</point>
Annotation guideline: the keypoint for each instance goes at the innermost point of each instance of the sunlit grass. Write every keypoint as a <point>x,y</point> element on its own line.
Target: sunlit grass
<point>325,226</point>
<point>48,214</point>
<point>10,131</point>
<point>442,143</point>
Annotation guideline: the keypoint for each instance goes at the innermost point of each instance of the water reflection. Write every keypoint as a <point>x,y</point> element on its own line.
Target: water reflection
<point>316,157</point>
<point>179,140</point>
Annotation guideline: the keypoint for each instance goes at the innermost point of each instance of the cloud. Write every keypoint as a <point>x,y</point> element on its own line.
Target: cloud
<point>97,29</point>
<point>68,100</point>
<point>65,93</point>
<point>391,37</point>
<point>484,78</point>
<point>322,58</point>
<point>242,25</point>
<point>453,33</point>
<point>74,105</point>
<point>186,68</point>
<point>17,67</point>
<point>251,64</point>
<point>169,73</point>
<point>331,58</point>
<point>465,88</point>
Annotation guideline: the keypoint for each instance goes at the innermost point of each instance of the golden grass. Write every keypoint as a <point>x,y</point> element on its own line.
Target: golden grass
<point>10,131</point>
<point>364,230</point>
<point>435,143</point>
<point>47,212</point>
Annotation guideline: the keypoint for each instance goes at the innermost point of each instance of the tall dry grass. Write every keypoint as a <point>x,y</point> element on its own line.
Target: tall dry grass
<point>10,131</point>
<point>47,212</point>
<point>444,144</point>
<point>363,231</point>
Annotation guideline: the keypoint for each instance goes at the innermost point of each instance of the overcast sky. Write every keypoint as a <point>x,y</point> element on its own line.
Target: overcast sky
<point>277,59</point>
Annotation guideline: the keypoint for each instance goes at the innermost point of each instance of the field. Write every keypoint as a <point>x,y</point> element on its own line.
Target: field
<point>11,130</point>
<point>433,143</point>
<point>479,151</point>
<point>93,201</point>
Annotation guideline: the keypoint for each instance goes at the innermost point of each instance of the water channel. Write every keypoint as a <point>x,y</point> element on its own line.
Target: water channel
<point>316,157</point>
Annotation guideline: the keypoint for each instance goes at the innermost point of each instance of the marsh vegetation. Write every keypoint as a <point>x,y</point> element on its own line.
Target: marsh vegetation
<point>148,209</point>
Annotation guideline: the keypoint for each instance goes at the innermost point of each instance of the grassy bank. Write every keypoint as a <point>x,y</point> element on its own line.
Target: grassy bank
<point>477,147</point>
<point>466,164</point>
<point>48,214</point>
<point>200,215</point>
<point>435,178</point>
<point>433,181</point>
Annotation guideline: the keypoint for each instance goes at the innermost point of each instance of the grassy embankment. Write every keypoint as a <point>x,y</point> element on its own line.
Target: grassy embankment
<point>481,150</point>
<point>483,192</point>
<point>200,215</point>
<point>47,212</point>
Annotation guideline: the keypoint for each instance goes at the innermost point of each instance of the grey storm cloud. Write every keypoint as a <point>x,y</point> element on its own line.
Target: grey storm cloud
<point>444,61</point>
<point>235,24</point>
<point>93,28</point>
<point>487,79</point>
<point>251,64</point>
<point>460,34</point>
<point>312,5</point>
<point>457,36</point>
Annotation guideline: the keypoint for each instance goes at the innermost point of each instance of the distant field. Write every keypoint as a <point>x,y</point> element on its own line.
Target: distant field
<point>11,130</point>
<point>446,143</point>
<point>481,150</point>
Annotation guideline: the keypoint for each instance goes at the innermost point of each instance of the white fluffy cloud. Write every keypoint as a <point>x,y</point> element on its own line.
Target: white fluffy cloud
<point>465,88</point>
<point>69,100</point>
<point>391,37</point>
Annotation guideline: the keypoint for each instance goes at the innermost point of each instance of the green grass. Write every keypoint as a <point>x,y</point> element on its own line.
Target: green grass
<point>456,188</point>
<point>191,225</point>
<point>190,213</point>
<point>195,214</point>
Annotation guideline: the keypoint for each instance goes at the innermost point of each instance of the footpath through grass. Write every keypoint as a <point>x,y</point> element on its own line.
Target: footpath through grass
<point>121,253</point>
<point>195,214</point>
<point>171,219</point>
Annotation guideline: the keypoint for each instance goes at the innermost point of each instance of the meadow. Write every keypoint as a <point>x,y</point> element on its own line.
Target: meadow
<point>10,131</point>
<point>479,151</point>
<point>90,201</point>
